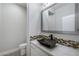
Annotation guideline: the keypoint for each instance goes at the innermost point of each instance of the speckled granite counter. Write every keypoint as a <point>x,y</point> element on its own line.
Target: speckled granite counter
<point>59,50</point>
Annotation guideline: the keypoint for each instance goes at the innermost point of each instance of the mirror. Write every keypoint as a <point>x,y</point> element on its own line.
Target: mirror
<point>60,18</point>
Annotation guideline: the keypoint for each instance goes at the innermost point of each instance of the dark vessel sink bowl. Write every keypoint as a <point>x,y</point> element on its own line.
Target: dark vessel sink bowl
<point>47,43</point>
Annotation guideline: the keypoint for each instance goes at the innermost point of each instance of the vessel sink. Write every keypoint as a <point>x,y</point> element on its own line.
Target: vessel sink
<point>47,43</point>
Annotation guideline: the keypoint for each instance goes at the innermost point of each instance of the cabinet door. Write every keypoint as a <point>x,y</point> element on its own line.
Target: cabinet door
<point>35,51</point>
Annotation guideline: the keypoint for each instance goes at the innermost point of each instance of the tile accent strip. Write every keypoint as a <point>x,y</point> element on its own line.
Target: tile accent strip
<point>68,43</point>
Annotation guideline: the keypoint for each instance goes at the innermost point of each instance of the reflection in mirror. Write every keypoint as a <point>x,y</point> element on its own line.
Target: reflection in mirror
<point>60,18</point>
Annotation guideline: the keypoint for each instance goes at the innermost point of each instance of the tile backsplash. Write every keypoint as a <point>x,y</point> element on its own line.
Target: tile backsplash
<point>65,36</point>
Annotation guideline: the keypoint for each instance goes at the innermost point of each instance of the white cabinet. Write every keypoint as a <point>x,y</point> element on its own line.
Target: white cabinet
<point>60,50</point>
<point>35,51</point>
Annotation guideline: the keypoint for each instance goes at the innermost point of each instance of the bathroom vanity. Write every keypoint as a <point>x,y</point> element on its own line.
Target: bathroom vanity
<point>58,18</point>
<point>39,50</point>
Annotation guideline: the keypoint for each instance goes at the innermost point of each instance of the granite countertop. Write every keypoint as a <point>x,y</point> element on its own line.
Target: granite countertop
<point>59,50</point>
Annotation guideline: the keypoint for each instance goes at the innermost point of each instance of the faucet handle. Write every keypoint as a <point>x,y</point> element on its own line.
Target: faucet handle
<point>51,36</point>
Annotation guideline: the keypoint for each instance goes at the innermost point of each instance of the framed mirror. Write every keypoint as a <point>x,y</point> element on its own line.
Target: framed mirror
<point>60,18</point>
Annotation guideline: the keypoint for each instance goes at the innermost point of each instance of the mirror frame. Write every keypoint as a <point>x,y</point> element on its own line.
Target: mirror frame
<point>59,32</point>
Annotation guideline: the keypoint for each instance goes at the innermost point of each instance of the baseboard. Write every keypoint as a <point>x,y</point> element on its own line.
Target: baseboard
<point>12,52</point>
<point>19,51</point>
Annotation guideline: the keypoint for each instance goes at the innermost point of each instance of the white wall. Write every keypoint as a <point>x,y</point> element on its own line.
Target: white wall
<point>13,25</point>
<point>34,19</point>
<point>33,23</point>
